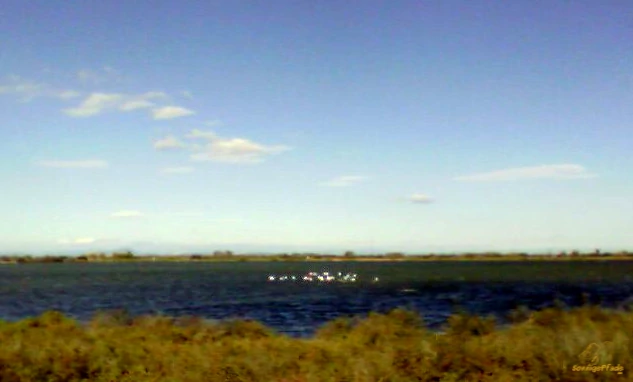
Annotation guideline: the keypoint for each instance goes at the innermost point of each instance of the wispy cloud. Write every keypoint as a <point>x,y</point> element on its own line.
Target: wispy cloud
<point>94,104</point>
<point>28,90</point>
<point>230,150</point>
<point>126,214</point>
<point>97,76</point>
<point>135,104</point>
<point>420,199</point>
<point>168,143</point>
<point>344,181</point>
<point>213,123</point>
<point>77,241</point>
<point>170,112</point>
<point>184,214</point>
<point>73,164</point>
<point>86,75</point>
<point>22,88</point>
<point>554,171</point>
<point>178,170</point>
<point>97,103</point>
<point>236,150</point>
<point>200,134</point>
<point>66,94</point>
<point>219,149</point>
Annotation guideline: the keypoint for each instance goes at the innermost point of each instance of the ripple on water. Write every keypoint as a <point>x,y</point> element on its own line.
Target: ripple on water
<point>220,291</point>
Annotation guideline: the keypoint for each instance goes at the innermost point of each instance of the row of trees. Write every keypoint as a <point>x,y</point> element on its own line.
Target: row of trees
<point>226,254</point>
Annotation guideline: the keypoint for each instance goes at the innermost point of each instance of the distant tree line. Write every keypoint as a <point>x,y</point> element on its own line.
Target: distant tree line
<point>227,255</point>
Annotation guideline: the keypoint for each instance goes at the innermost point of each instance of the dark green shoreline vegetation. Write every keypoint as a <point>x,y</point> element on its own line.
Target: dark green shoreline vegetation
<point>551,344</point>
<point>347,256</point>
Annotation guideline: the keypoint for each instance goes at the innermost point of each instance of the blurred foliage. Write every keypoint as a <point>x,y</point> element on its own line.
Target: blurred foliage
<point>396,346</point>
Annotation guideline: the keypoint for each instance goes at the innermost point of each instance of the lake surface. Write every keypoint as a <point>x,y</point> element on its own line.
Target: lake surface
<point>225,290</point>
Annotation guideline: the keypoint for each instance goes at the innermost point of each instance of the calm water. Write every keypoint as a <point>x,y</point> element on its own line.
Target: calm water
<point>223,290</point>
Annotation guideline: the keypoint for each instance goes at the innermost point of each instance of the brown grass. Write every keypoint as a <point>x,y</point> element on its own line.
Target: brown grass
<point>537,346</point>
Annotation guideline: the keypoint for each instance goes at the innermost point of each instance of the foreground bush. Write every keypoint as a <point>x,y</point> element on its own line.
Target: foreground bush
<point>538,346</point>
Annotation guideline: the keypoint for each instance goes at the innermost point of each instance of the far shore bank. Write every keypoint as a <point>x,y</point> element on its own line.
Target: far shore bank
<point>228,256</point>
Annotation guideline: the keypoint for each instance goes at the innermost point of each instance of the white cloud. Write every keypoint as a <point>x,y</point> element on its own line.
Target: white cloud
<point>126,214</point>
<point>141,101</point>
<point>135,104</point>
<point>218,149</point>
<point>28,90</point>
<point>186,94</point>
<point>420,199</point>
<point>555,171</point>
<point>178,170</point>
<point>169,142</point>
<point>77,241</point>
<point>169,112</point>
<point>344,181</point>
<point>98,76</point>
<point>150,95</point>
<point>235,150</point>
<point>68,94</point>
<point>199,134</point>
<point>74,164</point>
<point>97,103</point>
<point>94,104</point>
<point>22,87</point>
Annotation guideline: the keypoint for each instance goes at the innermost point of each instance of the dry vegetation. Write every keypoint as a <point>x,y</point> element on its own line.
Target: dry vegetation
<point>537,346</point>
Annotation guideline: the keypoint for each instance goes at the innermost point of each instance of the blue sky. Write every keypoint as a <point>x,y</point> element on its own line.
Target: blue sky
<point>415,126</point>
